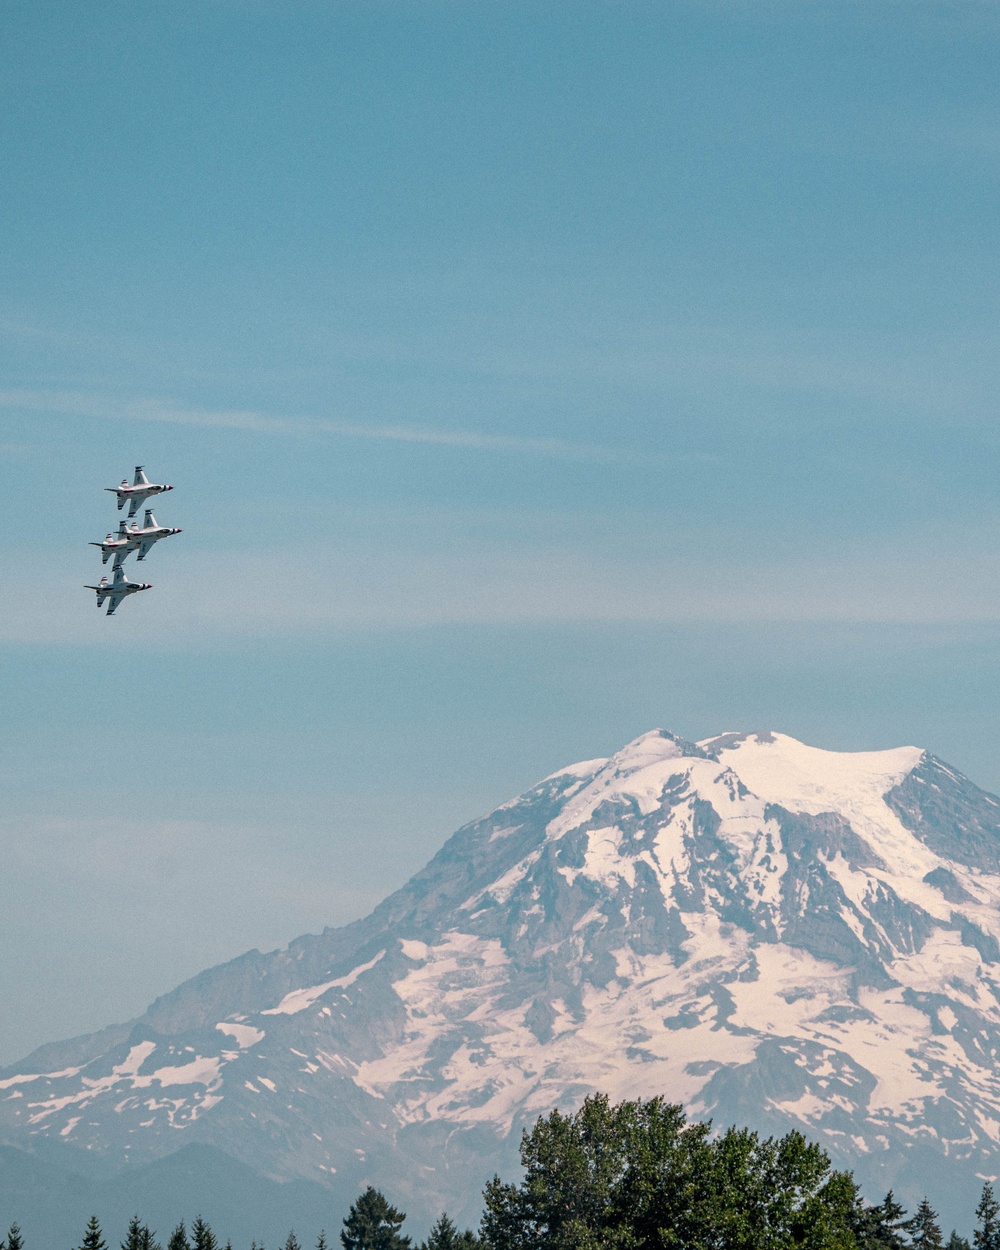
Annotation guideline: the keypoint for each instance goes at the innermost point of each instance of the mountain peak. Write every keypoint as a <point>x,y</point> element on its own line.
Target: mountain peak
<point>651,748</point>
<point>772,933</point>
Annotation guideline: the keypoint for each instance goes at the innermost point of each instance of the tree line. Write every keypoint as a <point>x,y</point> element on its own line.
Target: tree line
<point>638,1176</point>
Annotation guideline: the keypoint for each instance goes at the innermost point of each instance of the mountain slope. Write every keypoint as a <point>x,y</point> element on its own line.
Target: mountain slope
<point>769,933</point>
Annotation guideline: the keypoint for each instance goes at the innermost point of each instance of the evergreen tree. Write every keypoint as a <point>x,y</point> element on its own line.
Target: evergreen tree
<point>372,1224</point>
<point>987,1235</point>
<point>179,1239</point>
<point>882,1227</point>
<point>442,1235</point>
<point>139,1236</point>
<point>14,1239</point>
<point>924,1230</point>
<point>955,1242</point>
<point>321,1243</point>
<point>202,1237</point>
<point>445,1236</point>
<point>93,1238</point>
<point>292,1242</point>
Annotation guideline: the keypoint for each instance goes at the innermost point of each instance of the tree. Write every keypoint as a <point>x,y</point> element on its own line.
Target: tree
<point>93,1238</point>
<point>292,1242</point>
<point>372,1224</point>
<point>880,1227</point>
<point>133,1238</point>
<point>179,1239</point>
<point>638,1174</point>
<point>139,1236</point>
<point>987,1235</point>
<point>955,1242</point>
<point>445,1236</point>
<point>924,1230</point>
<point>202,1237</point>
<point>321,1243</point>
<point>14,1239</point>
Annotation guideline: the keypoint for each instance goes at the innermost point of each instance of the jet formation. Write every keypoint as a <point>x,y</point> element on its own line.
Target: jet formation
<point>117,546</point>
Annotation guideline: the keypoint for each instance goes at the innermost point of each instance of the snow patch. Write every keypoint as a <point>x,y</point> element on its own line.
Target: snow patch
<point>299,1000</point>
<point>245,1034</point>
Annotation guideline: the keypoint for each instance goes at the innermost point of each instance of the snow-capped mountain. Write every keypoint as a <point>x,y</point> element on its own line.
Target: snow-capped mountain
<point>769,933</point>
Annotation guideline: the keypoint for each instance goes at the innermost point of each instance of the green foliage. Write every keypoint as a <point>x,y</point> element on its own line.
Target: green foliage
<point>372,1224</point>
<point>292,1242</point>
<point>321,1243</point>
<point>179,1239</point>
<point>139,1237</point>
<point>202,1237</point>
<point>14,1239</point>
<point>445,1236</point>
<point>93,1238</point>
<point>987,1234</point>
<point>637,1174</point>
<point>882,1227</point>
<point>924,1230</point>
<point>955,1242</point>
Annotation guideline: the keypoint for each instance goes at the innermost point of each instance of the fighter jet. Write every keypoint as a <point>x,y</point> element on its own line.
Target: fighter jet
<point>119,545</point>
<point>140,490</point>
<point>149,534</point>
<point>117,590</point>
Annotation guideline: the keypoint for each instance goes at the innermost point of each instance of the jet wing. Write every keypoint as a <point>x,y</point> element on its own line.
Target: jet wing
<point>133,504</point>
<point>114,602</point>
<point>145,547</point>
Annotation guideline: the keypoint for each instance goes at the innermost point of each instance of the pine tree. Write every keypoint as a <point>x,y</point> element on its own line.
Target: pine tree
<point>202,1237</point>
<point>443,1236</point>
<point>179,1239</point>
<point>139,1236</point>
<point>372,1224</point>
<point>883,1227</point>
<point>955,1242</point>
<point>987,1235</point>
<point>93,1238</point>
<point>924,1230</point>
<point>292,1242</point>
<point>14,1239</point>
<point>321,1243</point>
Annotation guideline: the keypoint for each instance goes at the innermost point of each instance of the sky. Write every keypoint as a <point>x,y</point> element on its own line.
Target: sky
<point>528,375</point>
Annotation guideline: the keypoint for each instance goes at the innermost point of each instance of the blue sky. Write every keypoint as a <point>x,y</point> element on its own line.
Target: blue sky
<point>529,376</point>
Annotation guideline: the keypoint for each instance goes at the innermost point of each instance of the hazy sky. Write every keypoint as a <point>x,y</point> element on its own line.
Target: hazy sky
<point>529,375</point>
